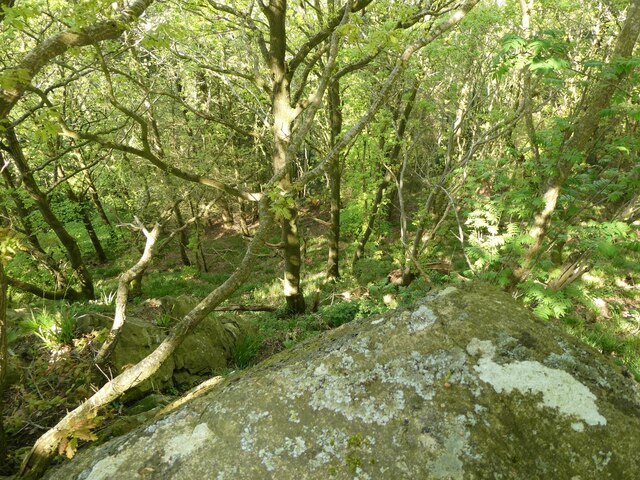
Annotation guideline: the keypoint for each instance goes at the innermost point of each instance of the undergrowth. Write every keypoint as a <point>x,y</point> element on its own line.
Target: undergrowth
<point>54,363</point>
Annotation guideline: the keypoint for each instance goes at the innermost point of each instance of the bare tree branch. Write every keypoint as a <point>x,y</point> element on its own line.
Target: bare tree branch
<point>58,44</point>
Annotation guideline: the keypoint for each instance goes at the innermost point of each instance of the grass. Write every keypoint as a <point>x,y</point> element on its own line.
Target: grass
<point>52,328</point>
<point>355,295</point>
<point>611,337</point>
<point>246,351</point>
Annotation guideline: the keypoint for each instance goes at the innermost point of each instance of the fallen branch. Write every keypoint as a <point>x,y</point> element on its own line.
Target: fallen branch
<point>66,294</point>
<point>246,308</point>
<point>195,392</point>
<point>123,292</point>
<point>46,446</point>
<point>572,271</point>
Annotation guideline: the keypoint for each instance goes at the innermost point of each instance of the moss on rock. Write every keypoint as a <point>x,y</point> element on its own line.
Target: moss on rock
<point>464,385</point>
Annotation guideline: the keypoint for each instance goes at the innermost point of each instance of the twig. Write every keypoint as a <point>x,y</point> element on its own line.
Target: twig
<point>35,384</point>
<point>35,425</point>
<point>246,308</point>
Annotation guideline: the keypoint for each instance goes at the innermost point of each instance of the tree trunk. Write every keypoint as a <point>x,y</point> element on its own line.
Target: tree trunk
<point>406,274</point>
<point>41,200</point>
<point>292,262</point>
<point>527,7</point>
<point>86,221</point>
<point>46,446</point>
<point>93,235</point>
<point>183,238</point>
<point>391,155</point>
<point>65,293</point>
<point>373,215</point>
<point>242,218</point>
<point>99,207</point>
<point>582,135</point>
<point>135,287</point>
<point>123,293</point>
<point>3,360</point>
<point>334,170</point>
<point>283,117</point>
<point>227,214</point>
<point>27,228</point>
<point>95,198</point>
<point>201,260</point>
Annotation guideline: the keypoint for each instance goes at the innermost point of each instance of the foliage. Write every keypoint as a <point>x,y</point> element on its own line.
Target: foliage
<point>54,329</point>
<point>490,130</point>
<point>246,350</point>
<point>546,303</point>
<point>164,321</point>
<point>9,245</point>
<point>81,431</point>
<point>339,313</point>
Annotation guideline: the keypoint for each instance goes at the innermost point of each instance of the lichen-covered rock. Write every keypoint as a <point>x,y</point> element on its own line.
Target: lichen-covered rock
<point>465,385</point>
<point>205,351</point>
<point>140,413</point>
<point>137,340</point>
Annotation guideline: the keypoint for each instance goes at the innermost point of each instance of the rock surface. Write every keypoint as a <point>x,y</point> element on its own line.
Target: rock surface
<point>465,385</point>
<point>205,351</point>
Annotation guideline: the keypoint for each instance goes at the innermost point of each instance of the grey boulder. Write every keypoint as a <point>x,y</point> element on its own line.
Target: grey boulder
<point>464,385</point>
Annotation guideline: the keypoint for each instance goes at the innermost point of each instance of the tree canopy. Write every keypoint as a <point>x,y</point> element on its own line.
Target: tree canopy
<point>376,144</point>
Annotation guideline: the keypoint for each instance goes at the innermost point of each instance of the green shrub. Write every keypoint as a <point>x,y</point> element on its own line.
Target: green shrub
<point>339,313</point>
<point>164,321</point>
<point>246,350</point>
<point>352,219</point>
<point>52,328</point>
<point>369,307</point>
<point>369,270</point>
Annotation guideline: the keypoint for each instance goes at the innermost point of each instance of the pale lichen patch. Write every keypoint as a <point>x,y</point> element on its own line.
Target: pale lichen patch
<point>350,401</point>
<point>360,345</point>
<point>578,426</point>
<point>247,437</point>
<point>422,318</point>
<point>105,469</point>
<point>558,388</point>
<point>435,294</point>
<point>601,460</point>
<point>481,347</point>
<point>446,291</point>
<point>448,464</point>
<point>229,472</point>
<point>293,447</point>
<point>332,445</point>
<point>186,443</point>
<point>339,385</point>
<point>294,417</point>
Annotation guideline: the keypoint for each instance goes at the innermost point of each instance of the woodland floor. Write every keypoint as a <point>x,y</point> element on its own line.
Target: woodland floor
<point>54,368</point>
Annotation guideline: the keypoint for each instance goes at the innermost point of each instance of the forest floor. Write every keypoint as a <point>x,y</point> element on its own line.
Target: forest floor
<point>52,360</point>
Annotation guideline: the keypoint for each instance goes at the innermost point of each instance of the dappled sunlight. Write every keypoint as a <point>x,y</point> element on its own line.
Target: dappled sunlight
<point>595,280</point>
<point>290,167</point>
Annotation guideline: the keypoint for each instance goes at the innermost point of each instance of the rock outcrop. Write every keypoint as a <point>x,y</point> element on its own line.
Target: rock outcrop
<point>207,350</point>
<point>464,385</point>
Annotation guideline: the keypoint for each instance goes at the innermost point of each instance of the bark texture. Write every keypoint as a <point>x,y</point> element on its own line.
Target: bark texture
<point>334,169</point>
<point>581,137</point>
<point>46,446</point>
<point>3,358</point>
<point>40,198</point>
